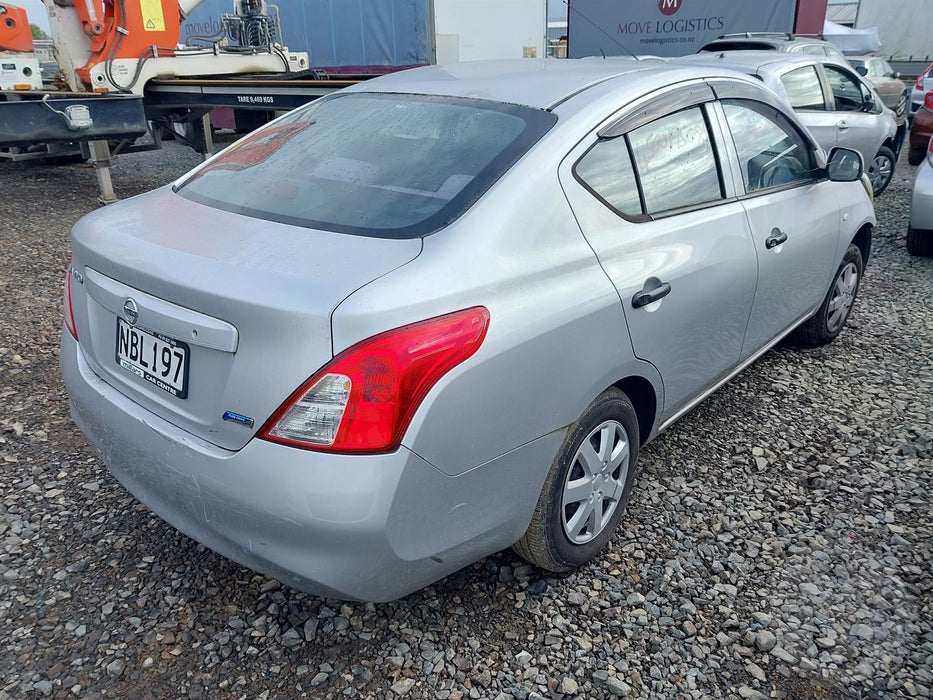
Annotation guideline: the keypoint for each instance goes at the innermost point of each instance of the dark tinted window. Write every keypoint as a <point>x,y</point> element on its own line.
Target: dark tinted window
<point>391,166</point>
<point>771,151</point>
<point>803,88</point>
<point>848,93</point>
<point>742,45</point>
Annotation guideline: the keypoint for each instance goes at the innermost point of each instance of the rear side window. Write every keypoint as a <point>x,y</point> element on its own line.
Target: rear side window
<point>804,89</point>
<point>607,170</point>
<point>381,165</point>
<point>675,161</point>
<point>772,153</point>
<point>665,165</point>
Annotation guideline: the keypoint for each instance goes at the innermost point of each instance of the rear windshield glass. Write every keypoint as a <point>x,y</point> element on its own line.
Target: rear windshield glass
<point>381,165</point>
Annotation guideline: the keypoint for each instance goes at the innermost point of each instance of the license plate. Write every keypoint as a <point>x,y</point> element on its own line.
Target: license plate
<point>158,359</point>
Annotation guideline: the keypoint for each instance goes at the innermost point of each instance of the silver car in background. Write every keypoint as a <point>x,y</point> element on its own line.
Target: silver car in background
<point>437,314</point>
<point>837,106</point>
<point>886,81</point>
<point>920,227</point>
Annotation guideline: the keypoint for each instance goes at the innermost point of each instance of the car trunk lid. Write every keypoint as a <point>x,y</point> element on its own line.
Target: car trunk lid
<point>211,319</point>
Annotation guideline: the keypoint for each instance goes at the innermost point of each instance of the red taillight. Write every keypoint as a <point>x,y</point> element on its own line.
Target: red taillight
<point>364,399</point>
<point>918,83</point>
<point>67,309</point>
<point>928,102</point>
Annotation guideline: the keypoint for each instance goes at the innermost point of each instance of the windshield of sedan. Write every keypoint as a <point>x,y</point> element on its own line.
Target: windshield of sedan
<point>381,165</point>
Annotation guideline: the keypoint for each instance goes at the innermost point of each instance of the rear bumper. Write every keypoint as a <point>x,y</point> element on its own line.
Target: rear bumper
<point>370,527</point>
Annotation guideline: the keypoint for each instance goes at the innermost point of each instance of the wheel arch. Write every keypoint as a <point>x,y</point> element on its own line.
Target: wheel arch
<point>644,398</point>
<point>862,239</point>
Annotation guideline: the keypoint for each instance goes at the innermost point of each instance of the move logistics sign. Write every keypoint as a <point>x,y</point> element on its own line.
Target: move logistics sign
<point>667,27</point>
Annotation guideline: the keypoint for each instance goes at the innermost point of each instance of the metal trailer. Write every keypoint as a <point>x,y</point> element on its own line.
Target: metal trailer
<point>39,124</point>
<point>363,39</point>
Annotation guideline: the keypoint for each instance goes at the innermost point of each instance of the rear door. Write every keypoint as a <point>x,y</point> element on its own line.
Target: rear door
<point>807,95</point>
<point>653,202</point>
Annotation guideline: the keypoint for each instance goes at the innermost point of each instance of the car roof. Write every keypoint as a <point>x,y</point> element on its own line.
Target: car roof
<point>754,61</point>
<point>539,83</point>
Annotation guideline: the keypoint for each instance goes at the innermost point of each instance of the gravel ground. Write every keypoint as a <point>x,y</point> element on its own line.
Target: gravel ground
<point>778,543</point>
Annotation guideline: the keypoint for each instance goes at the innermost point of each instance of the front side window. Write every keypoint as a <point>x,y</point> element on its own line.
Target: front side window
<point>848,92</point>
<point>772,153</point>
<point>370,164</point>
<point>803,88</point>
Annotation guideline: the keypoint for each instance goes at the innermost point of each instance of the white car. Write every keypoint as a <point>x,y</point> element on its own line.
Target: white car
<point>830,98</point>
<point>920,228</point>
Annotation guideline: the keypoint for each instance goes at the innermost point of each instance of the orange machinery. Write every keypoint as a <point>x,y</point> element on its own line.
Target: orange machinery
<point>15,33</point>
<point>127,29</point>
<point>119,45</point>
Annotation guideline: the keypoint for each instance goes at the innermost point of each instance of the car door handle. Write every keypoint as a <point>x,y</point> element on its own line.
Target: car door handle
<point>653,290</point>
<point>843,125</point>
<point>775,239</point>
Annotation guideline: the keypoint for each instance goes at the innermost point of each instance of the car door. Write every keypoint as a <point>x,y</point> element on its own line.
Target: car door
<point>792,213</point>
<point>806,93</point>
<point>652,201</point>
<point>858,128</point>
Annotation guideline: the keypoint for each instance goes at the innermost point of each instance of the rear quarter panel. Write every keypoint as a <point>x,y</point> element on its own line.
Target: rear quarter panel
<point>557,336</point>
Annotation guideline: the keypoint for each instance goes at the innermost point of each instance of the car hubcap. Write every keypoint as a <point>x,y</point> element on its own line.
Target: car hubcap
<point>880,172</point>
<point>901,107</point>
<point>595,482</point>
<point>843,296</point>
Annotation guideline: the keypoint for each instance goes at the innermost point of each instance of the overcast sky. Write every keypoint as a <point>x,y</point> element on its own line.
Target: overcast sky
<point>36,11</point>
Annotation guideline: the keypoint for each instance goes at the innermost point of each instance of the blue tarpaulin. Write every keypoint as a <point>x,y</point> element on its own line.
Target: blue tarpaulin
<point>338,33</point>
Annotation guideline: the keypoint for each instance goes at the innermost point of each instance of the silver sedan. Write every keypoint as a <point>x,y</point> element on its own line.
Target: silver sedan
<point>437,314</point>
<point>837,106</point>
<point>920,228</point>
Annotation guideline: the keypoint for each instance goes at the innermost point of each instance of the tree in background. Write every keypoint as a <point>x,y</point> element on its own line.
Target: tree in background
<point>37,32</point>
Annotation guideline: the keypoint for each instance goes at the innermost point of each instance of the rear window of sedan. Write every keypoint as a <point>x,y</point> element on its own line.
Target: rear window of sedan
<point>372,164</point>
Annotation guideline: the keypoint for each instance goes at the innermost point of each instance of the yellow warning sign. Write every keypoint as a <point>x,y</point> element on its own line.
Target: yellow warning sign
<point>153,19</point>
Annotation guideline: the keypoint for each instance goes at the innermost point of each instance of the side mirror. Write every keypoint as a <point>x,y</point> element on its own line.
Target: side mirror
<point>896,75</point>
<point>862,71</point>
<point>868,105</point>
<point>845,165</point>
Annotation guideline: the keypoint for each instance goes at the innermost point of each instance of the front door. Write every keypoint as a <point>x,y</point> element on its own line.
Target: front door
<point>793,217</point>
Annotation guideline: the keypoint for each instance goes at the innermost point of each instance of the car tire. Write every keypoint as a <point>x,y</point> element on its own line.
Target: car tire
<point>881,169</point>
<point>915,155</point>
<point>920,242</point>
<point>587,487</point>
<point>829,320</point>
